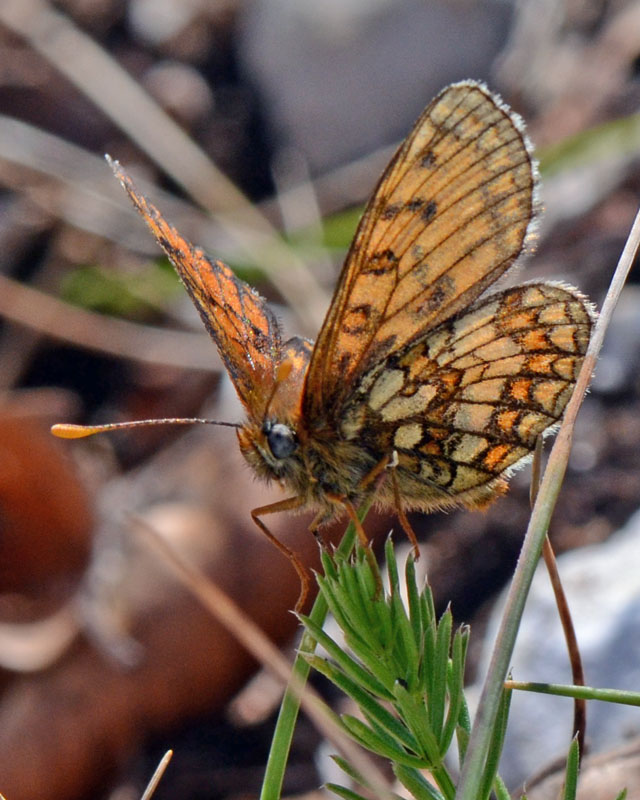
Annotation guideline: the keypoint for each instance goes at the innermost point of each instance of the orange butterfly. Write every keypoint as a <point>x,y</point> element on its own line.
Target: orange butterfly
<point>416,390</point>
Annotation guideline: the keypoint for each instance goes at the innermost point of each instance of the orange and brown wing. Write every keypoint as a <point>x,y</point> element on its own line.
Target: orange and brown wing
<point>238,319</point>
<point>451,213</point>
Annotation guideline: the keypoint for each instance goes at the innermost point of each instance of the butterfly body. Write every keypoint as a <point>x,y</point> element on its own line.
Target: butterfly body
<point>421,391</point>
<point>453,411</point>
<point>315,463</point>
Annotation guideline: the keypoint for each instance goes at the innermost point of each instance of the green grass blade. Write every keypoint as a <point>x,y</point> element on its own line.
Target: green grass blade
<point>497,741</point>
<point>377,742</point>
<point>500,790</point>
<point>348,665</point>
<point>583,692</point>
<point>283,733</point>
<point>571,775</point>
<point>438,689</point>
<point>417,784</point>
<point>346,794</point>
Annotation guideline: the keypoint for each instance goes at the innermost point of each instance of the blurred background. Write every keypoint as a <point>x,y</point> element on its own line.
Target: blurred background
<point>242,121</point>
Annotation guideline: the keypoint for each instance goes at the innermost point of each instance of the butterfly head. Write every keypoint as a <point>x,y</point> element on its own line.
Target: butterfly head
<point>282,440</point>
<point>272,449</point>
<point>271,444</point>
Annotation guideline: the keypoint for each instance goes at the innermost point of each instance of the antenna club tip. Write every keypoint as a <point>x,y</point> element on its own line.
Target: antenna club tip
<point>68,431</point>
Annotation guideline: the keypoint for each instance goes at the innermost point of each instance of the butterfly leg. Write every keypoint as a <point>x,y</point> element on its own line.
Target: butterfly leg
<point>341,500</point>
<point>314,528</point>
<point>404,520</point>
<point>364,539</point>
<point>378,474</point>
<point>290,504</point>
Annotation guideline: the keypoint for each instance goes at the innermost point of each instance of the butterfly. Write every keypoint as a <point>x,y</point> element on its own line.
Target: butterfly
<point>421,390</point>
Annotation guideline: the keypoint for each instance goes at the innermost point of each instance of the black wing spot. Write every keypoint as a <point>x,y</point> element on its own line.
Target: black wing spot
<point>390,212</point>
<point>357,319</point>
<point>415,205</point>
<point>381,263</point>
<point>429,211</point>
<point>428,160</point>
<point>433,301</point>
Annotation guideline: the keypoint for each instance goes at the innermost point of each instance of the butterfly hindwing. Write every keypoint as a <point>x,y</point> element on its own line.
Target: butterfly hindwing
<point>466,402</point>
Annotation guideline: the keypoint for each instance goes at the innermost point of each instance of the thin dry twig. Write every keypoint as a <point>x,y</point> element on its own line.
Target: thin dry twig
<point>117,337</point>
<point>564,612</point>
<point>573,648</point>
<point>157,775</point>
<point>260,646</point>
<point>92,70</point>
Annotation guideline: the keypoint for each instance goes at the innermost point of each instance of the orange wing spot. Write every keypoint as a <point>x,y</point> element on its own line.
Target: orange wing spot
<point>450,380</point>
<point>495,456</point>
<point>520,389</point>
<point>535,340</point>
<point>523,320</point>
<point>438,433</point>
<point>432,449</point>
<point>541,363</point>
<point>419,367</point>
<point>506,420</point>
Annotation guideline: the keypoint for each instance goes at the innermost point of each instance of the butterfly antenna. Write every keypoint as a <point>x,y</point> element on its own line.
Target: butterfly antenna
<point>69,431</point>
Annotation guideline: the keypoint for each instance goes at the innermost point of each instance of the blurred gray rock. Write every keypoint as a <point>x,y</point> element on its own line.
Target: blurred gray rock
<point>619,363</point>
<point>602,583</point>
<point>341,77</point>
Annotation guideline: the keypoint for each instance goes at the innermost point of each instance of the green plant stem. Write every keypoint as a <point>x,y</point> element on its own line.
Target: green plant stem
<point>483,727</point>
<point>488,706</point>
<point>283,733</point>
<point>582,692</point>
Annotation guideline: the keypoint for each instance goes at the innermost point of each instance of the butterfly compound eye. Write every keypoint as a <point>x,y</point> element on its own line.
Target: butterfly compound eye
<point>282,441</point>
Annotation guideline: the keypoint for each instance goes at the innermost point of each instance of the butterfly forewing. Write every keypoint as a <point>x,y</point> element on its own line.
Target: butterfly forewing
<point>238,319</point>
<point>451,213</point>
